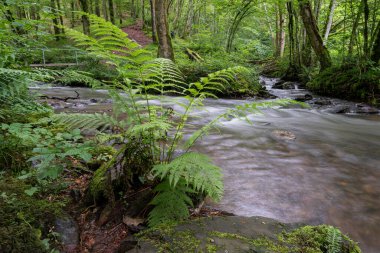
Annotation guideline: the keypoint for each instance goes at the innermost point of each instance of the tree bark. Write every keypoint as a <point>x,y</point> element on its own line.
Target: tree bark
<point>365,30</point>
<point>313,34</point>
<point>57,31</point>
<point>329,21</point>
<point>105,11</point>
<point>60,16</point>
<point>153,20</point>
<point>375,57</point>
<point>280,31</point>
<point>354,29</point>
<point>165,48</point>
<point>112,12</point>
<point>97,8</point>
<point>85,20</point>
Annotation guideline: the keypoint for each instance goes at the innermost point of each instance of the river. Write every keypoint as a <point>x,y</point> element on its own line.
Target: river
<point>293,164</point>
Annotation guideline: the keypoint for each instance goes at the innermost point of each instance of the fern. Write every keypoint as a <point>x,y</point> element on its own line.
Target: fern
<point>163,74</point>
<point>196,170</point>
<point>333,240</point>
<point>67,77</point>
<point>87,121</point>
<point>170,204</point>
<point>110,42</point>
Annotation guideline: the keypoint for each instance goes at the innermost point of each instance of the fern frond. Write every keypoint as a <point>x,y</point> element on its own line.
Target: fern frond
<point>97,121</point>
<point>170,204</point>
<point>109,42</point>
<point>163,74</point>
<point>196,170</point>
<point>334,240</point>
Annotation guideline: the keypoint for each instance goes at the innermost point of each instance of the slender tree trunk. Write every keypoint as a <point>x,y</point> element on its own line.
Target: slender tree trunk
<point>189,20</point>
<point>329,21</point>
<point>112,11</point>
<point>85,20</point>
<point>143,13</point>
<point>97,8</point>
<point>72,16</point>
<point>153,21</point>
<point>60,16</point>
<point>105,10</point>
<point>280,33</point>
<point>165,49</point>
<point>178,13</point>
<point>354,29</point>
<point>313,34</point>
<point>239,16</point>
<point>366,47</point>
<point>375,57</point>
<point>57,31</point>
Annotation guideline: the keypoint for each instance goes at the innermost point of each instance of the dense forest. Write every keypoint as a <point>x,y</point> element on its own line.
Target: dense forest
<point>109,112</point>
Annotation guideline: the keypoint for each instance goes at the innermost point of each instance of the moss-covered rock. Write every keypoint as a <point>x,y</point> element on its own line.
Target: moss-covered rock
<point>242,234</point>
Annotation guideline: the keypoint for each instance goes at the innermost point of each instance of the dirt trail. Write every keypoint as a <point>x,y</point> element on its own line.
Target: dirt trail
<point>136,33</point>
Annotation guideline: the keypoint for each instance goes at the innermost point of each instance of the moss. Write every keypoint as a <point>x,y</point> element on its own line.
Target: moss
<point>24,219</point>
<point>307,239</point>
<point>310,239</point>
<point>349,81</point>
<point>167,239</point>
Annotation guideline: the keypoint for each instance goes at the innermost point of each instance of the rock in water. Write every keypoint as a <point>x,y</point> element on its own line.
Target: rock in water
<point>283,134</point>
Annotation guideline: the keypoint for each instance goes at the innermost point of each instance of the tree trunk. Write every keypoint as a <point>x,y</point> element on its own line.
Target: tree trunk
<point>354,29</point>
<point>60,16</point>
<point>280,31</point>
<point>57,31</point>
<point>112,12</point>
<point>366,47</point>
<point>329,21</point>
<point>189,20</point>
<point>165,49</point>
<point>85,20</point>
<point>313,34</point>
<point>97,8</point>
<point>153,17</point>
<point>105,10</point>
<point>375,57</point>
<point>143,13</point>
<point>72,19</point>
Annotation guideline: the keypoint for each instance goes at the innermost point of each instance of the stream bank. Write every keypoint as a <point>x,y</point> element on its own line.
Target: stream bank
<point>315,166</point>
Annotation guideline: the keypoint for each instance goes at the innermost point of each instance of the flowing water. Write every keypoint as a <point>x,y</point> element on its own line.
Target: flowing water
<point>293,165</point>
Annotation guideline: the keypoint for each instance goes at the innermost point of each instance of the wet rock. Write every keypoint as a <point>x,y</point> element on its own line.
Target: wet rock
<point>68,230</point>
<point>361,108</point>
<point>105,216</point>
<point>221,233</point>
<point>285,135</point>
<point>340,109</point>
<point>303,98</point>
<point>284,85</point>
<point>128,243</point>
<point>323,102</point>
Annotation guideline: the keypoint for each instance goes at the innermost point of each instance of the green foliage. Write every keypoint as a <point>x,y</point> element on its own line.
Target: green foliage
<point>163,74</point>
<point>171,203</point>
<point>109,42</point>
<point>16,104</point>
<point>196,170</point>
<point>49,150</point>
<point>98,121</point>
<point>350,80</point>
<point>24,219</point>
<point>334,240</point>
